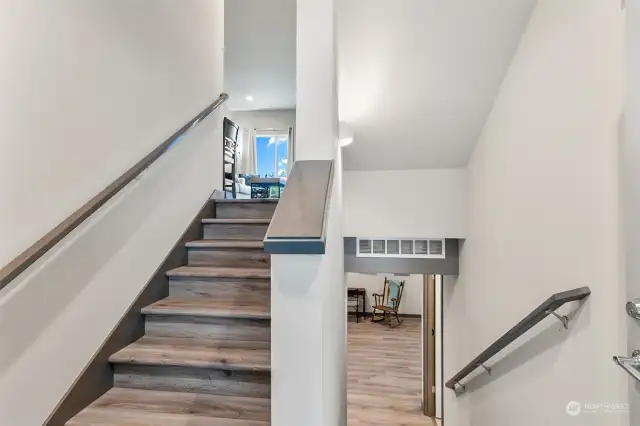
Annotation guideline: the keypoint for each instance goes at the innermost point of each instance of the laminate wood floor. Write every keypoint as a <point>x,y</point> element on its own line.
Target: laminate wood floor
<point>384,374</point>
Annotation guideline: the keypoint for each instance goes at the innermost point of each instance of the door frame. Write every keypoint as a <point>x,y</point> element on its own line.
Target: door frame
<point>429,346</point>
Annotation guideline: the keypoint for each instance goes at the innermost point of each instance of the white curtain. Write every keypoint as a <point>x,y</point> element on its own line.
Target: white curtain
<point>247,161</point>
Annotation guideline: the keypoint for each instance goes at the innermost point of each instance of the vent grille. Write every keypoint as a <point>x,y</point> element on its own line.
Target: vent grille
<point>393,247</point>
<point>364,246</point>
<point>383,247</point>
<point>436,247</point>
<point>422,247</point>
<point>379,247</point>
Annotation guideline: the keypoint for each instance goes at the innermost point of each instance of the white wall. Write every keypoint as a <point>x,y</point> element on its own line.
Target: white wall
<point>456,353</point>
<point>88,89</point>
<point>374,283</point>
<point>630,158</point>
<point>312,354</point>
<point>405,203</point>
<point>265,119</point>
<point>418,77</point>
<point>308,358</point>
<point>544,217</point>
<point>260,53</point>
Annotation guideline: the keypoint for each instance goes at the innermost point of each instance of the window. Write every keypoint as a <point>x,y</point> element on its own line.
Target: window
<point>394,247</point>
<point>272,154</point>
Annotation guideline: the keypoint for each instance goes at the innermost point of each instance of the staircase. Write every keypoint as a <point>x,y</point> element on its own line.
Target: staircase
<point>205,357</point>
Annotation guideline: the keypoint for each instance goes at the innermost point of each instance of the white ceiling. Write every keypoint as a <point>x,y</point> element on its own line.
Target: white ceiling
<point>260,53</point>
<point>418,77</point>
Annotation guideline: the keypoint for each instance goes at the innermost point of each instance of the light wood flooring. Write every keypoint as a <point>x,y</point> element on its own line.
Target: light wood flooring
<point>384,376</point>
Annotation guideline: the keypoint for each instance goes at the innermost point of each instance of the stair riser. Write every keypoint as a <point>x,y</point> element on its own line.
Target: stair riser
<point>233,231</point>
<point>194,380</point>
<point>221,288</point>
<point>232,258</point>
<point>245,210</point>
<point>236,329</point>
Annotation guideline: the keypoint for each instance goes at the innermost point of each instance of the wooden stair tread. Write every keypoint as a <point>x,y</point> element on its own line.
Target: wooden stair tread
<point>219,272</point>
<point>182,403</point>
<point>201,353</point>
<point>203,306</point>
<point>206,357</point>
<point>236,221</point>
<point>226,244</point>
<point>111,417</point>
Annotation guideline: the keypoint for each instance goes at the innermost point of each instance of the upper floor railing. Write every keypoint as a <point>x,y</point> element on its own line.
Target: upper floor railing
<point>44,244</point>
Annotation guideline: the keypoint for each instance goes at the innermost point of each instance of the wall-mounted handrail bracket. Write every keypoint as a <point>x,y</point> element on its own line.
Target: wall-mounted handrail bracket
<point>487,369</point>
<point>562,318</point>
<point>548,307</point>
<point>630,365</point>
<point>460,388</point>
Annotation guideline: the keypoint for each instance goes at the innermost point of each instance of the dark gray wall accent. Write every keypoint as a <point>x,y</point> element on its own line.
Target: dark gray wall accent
<point>398,265</point>
<point>294,247</point>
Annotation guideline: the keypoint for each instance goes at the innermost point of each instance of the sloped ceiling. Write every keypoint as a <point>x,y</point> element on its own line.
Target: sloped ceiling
<point>418,77</point>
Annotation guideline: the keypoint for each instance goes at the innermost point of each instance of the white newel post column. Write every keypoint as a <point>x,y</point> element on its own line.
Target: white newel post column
<point>316,87</point>
<point>308,297</point>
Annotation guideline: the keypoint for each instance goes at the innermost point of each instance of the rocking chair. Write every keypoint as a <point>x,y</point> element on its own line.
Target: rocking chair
<point>386,305</point>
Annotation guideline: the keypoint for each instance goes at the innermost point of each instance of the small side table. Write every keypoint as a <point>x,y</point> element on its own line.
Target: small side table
<point>357,293</point>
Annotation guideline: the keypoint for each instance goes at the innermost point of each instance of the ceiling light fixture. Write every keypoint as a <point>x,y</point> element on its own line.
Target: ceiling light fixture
<point>249,98</point>
<point>345,134</point>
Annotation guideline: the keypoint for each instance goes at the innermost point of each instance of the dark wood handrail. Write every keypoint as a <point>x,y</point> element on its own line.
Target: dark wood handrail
<point>299,224</point>
<point>44,244</point>
<point>548,307</point>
